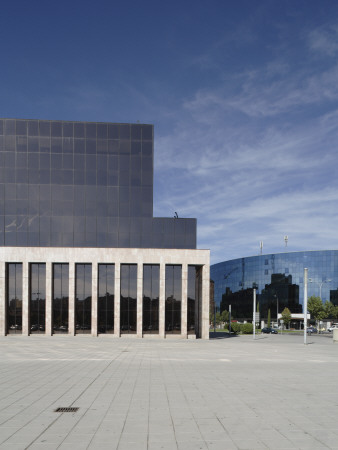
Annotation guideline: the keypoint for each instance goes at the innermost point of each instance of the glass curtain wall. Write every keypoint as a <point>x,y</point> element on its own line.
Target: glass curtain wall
<point>194,297</point>
<point>173,298</point>
<point>105,309</point>
<point>83,299</point>
<point>37,299</point>
<point>14,298</point>
<point>60,297</point>
<point>128,301</point>
<point>151,293</point>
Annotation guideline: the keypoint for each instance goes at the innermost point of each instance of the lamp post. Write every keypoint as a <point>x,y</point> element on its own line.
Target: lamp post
<point>277,307</point>
<point>320,284</point>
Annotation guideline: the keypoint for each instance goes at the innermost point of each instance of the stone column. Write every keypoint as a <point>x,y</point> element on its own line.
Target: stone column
<point>117,300</point>
<point>139,306</point>
<point>71,300</point>
<point>25,298</point>
<point>205,301</point>
<point>184,303</point>
<point>162,302</point>
<point>3,302</point>
<point>94,298</point>
<point>49,284</point>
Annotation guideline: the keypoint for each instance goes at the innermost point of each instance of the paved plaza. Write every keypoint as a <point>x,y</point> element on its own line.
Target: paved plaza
<point>221,394</point>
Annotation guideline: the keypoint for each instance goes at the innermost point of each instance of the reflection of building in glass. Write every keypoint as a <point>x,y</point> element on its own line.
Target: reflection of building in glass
<point>278,279</point>
<point>81,250</point>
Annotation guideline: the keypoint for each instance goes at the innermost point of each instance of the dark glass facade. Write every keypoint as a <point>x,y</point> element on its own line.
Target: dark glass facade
<point>278,280</point>
<point>80,184</point>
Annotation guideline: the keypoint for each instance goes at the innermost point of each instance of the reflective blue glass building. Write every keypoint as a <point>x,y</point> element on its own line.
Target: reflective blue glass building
<point>278,279</point>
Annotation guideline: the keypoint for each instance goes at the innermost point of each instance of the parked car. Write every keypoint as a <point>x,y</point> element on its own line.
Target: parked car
<point>268,330</point>
<point>311,330</point>
<point>332,327</point>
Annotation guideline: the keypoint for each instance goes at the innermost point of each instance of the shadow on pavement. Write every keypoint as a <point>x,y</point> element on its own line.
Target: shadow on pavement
<point>220,335</point>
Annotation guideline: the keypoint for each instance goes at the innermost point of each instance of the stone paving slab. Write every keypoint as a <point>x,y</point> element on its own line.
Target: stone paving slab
<point>235,393</point>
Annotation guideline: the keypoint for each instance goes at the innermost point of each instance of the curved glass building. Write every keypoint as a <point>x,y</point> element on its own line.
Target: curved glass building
<point>278,280</point>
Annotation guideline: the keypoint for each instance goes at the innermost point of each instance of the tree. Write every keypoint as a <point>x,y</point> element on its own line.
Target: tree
<point>225,316</point>
<point>316,309</point>
<point>329,309</point>
<point>286,316</point>
<point>269,318</point>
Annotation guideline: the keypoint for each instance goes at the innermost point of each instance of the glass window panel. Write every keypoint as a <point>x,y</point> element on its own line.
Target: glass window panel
<point>125,131</point>
<point>79,146</point>
<point>173,296</point>
<point>37,298</point>
<point>21,127</point>
<point>9,126</point>
<point>83,298</point>
<point>33,128</point>
<point>102,131</point>
<point>91,130</point>
<point>60,298</point>
<point>128,299</point>
<point>113,147</point>
<point>113,131</point>
<point>106,286</point>
<point>56,145</point>
<point>79,130</point>
<point>136,131</point>
<point>45,145</point>
<point>151,292</point>
<point>147,148</point>
<point>44,128</point>
<point>67,129</point>
<point>147,132</point>
<point>56,129</point>
<point>14,298</point>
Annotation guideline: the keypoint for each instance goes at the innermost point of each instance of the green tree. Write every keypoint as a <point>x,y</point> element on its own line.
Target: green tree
<point>316,309</point>
<point>335,312</point>
<point>225,316</point>
<point>218,318</point>
<point>286,316</point>
<point>329,309</point>
<point>269,318</point>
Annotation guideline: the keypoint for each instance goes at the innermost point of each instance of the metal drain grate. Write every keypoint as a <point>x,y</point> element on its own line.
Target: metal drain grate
<point>66,409</point>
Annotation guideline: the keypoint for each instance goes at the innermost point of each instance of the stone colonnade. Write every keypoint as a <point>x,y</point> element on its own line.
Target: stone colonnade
<point>96,256</point>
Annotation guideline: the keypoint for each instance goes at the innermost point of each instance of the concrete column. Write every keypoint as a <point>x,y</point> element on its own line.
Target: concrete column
<point>205,301</point>
<point>184,303</point>
<point>25,298</point>
<point>94,297</point>
<point>117,300</point>
<point>49,284</point>
<point>139,306</point>
<point>162,302</point>
<point>71,300</point>
<point>3,302</point>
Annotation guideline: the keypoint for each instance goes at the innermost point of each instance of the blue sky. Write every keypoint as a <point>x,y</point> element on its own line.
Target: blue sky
<point>243,96</point>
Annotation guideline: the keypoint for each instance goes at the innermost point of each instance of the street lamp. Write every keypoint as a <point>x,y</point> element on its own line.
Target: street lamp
<point>320,284</point>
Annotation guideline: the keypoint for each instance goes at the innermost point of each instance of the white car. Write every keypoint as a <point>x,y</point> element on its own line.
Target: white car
<point>332,327</point>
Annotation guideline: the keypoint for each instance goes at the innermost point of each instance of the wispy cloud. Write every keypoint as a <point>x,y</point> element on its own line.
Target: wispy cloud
<point>255,160</point>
